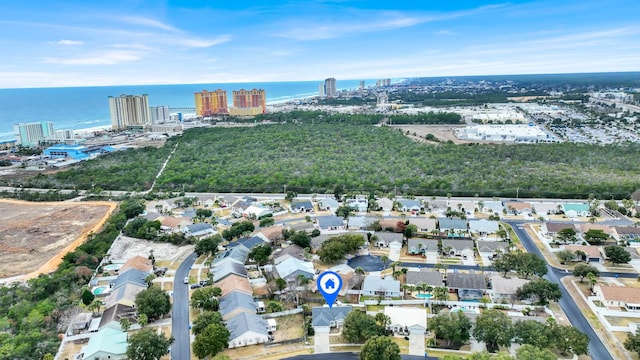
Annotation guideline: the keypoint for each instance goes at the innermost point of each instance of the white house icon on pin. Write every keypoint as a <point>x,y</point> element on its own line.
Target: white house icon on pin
<point>330,284</point>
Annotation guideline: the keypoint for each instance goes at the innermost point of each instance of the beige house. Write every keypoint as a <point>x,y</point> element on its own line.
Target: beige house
<point>619,296</point>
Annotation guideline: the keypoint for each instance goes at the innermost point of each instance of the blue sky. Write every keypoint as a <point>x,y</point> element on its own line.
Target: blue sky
<point>76,43</point>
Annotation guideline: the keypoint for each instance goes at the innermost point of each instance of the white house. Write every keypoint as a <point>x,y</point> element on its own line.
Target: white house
<point>247,329</point>
<point>373,285</point>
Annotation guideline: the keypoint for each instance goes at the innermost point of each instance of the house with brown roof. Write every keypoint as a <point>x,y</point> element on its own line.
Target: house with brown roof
<point>137,262</point>
<point>283,254</point>
<point>518,207</point>
<point>627,233</point>
<point>583,228</point>
<point>592,252</point>
<point>619,296</point>
<point>423,224</point>
<point>272,234</point>
<point>552,228</point>
<point>234,282</point>
<point>170,223</point>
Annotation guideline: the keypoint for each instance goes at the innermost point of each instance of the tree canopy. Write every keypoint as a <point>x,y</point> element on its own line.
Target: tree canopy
<point>147,344</point>
<point>494,329</point>
<point>540,289</point>
<point>617,254</point>
<point>358,327</point>
<point>153,302</point>
<point>453,327</point>
<point>380,348</point>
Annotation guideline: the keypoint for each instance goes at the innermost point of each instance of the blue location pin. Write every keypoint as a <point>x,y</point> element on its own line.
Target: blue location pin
<point>329,285</point>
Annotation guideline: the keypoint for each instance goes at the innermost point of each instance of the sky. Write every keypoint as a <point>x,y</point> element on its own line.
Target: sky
<point>92,43</point>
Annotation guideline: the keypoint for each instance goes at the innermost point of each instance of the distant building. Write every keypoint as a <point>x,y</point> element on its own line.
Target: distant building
<point>129,111</point>
<point>330,89</point>
<point>249,102</point>
<point>212,102</point>
<point>32,134</point>
<point>160,114</point>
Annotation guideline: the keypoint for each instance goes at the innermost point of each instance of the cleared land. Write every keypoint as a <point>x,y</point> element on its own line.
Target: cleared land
<point>443,133</point>
<point>35,236</point>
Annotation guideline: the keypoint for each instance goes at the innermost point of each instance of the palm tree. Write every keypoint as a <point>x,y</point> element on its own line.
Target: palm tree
<point>581,255</point>
<point>384,259</point>
<point>394,264</point>
<point>593,280</point>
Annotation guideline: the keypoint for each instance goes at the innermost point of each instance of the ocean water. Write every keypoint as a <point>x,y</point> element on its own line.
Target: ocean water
<point>86,107</point>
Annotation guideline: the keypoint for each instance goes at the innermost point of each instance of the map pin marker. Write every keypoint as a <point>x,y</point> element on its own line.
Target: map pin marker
<point>329,285</point>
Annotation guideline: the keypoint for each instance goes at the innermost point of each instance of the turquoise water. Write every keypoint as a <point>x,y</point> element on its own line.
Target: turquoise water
<point>422,296</point>
<point>112,267</point>
<point>87,107</point>
<point>464,310</point>
<point>99,290</point>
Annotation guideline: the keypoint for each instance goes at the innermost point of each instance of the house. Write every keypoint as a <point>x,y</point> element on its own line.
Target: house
<point>235,302</point>
<point>234,283</point>
<point>137,262</point>
<point>237,254</point>
<point>316,242</point>
<point>385,204</point>
<point>131,276</point>
<point>625,297</point>
<point>81,322</point>
<point>323,318</point>
<point>360,222</point>
<point>249,242</point>
<point>503,289</point>
<point>124,295</point>
<point>273,234</point>
<point>373,285</point>
<point>409,205</point>
<point>583,228</point>
<point>452,226</point>
<point>627,233</point>
<point>113,314</point>
<point>107,343</point>
<point>518,207</point>
<point>241,205</point>
<point>457,247</point>
<point>170,223</point>
<point>492,207</point>
<point>422,246</point>
<point>291,268</point>
<point>423,224</point>
<point>592,252</point>
<point>424,276</point>
<point>401,318</point>
<point>189,213</point>
<point>199,230</point>
<point>329,204</point>
<point>301,206</point>
<point>247,329</point>
<point>360,204</point>
<point>466,207</point>
<point>489,248</point>
<point>574,210</point>
<point>483,227</point>
<point>291,251</point>
<point>552,228</point>
<point>256,211</point>
<point>304,226</point>
<point>469,286</point>
<point>228,268</point>
<point>386,238</point>
<point>330,223</point>
<point>347,274</point>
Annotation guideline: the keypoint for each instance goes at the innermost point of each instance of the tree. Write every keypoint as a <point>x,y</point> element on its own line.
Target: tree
<point>570,340</point>
<point>494,329</point>
<point>205,319</point>
<point>529,352</point>
<point>290,195</point>
<point>410,230</point>
<point>266,222</point>
<point>441,293</point>
<point>565,256</point>
<point>301,239</point>
<point>532,332</point>
<point>281,283</point>
<point>358,327</point>
<point>345,211</point>
<point>203,213</point>
<point>125,324</point>
<point>208,245</point>
<point>380,348</point>
<point>87,296</point>
<point>528,264</point>
<point>583,270</point>
<point>205,299</point>
<point>595,236</point>
<point>632,343</point>
<point>147,344</point>
<point>541,289</point>
<point>273,306</point>
<point>261,254</point>
<point>453,327</point>
<point>617,254</point>
<point>153,302</point>
<point>213,339</point>
<point>567,235</point>
<point>143,320</point>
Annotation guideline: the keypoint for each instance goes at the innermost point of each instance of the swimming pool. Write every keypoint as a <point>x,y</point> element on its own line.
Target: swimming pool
<point>465,310</point>
<point>112,267</point>
<point>422,296</point>
<point>99,290</point>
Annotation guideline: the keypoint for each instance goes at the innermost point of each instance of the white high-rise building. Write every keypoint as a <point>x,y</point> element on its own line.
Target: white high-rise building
<point>129,110</point>
<point>32,134</point>
<point>160,114</point>
<point>330,87</point>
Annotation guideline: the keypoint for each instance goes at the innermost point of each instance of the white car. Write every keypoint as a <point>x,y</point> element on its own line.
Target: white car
<point>186,280</point>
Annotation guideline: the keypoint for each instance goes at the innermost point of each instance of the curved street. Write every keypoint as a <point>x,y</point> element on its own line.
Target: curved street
<point>181,348</point>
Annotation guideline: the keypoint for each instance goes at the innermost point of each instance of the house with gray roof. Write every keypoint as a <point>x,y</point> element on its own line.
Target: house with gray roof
<point>125,295</point>
<point>235,302</point>
<point>237,254</point>
<point>423,224</point>
<point>329,204</point>
<point>458,247</point>
<point>488,248</point>
<point>493,207</point>
<point>469,286</point>
<point>282,254</point>
<point>424,276</point>
<point>332,317</point>
<point>452,225</point>
<point>305,226</point>
<point>131,276</point>
<point>227,268</point>
<point>330,222</point>
<point>385,204</point>
<point>299,206</point>
<point>199,230</point>
<point>113,314</point>
<point>373,285</point>
<point>552,228</point>
<point>247,329</point>
<point>386,238</point>
<point>291,268</point>
<point>360,222</point>
<point>249,243</point>
<point>483,227</point>
<point>422,246</point>
<point>504,289</point>
<point>406,205</point>
<point>316,242</point>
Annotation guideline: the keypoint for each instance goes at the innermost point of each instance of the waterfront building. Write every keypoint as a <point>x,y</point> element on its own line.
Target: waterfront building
<point>211,102</point>
<point>32,134</point>
<point>321,89</point>
<point>361,85</point>
<point>160,114</point>
<point>249,102</point>
<point>129,111</point>
<point>330,87</point>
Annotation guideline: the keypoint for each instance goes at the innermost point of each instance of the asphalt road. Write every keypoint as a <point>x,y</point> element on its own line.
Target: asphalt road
<point>597,350</point>
<point>181,348</point>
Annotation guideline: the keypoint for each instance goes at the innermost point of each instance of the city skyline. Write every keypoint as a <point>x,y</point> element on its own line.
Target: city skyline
<point>74,43</point>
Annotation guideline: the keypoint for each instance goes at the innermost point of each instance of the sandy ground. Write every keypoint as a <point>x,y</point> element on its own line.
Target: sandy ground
<point>124,248</point>
<point>35,236</point>
<point>441,132</point>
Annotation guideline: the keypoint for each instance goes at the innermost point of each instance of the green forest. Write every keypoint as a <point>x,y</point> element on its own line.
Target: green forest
<point>318,158</point>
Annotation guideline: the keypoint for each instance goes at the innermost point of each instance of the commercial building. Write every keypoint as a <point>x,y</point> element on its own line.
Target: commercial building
<point>249,102</point>
<point>129,111</point>
<point>160,114</point>
<point>32,134</point>
<point>212,102</point>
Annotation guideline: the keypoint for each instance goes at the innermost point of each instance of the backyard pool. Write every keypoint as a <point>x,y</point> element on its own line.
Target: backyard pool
<point>112,267</point>
<point>100,290</point>
<point>465,309</point>
<point>422,296</point>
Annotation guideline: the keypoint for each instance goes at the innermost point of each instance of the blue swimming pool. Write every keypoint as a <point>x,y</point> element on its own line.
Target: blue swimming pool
<point>112,267</point>
<point>422,296</point>
<point>99,290</point>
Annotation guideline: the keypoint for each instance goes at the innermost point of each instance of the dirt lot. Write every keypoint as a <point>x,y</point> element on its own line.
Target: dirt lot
<point>35,236</point>
<point>124,248</point>
<point>441,132</point>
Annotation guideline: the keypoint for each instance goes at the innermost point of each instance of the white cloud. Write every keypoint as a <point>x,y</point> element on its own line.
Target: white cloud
<point>102,58</point>
<point>137,20</point>
<point>198,43</point>
<point>68,42</point>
